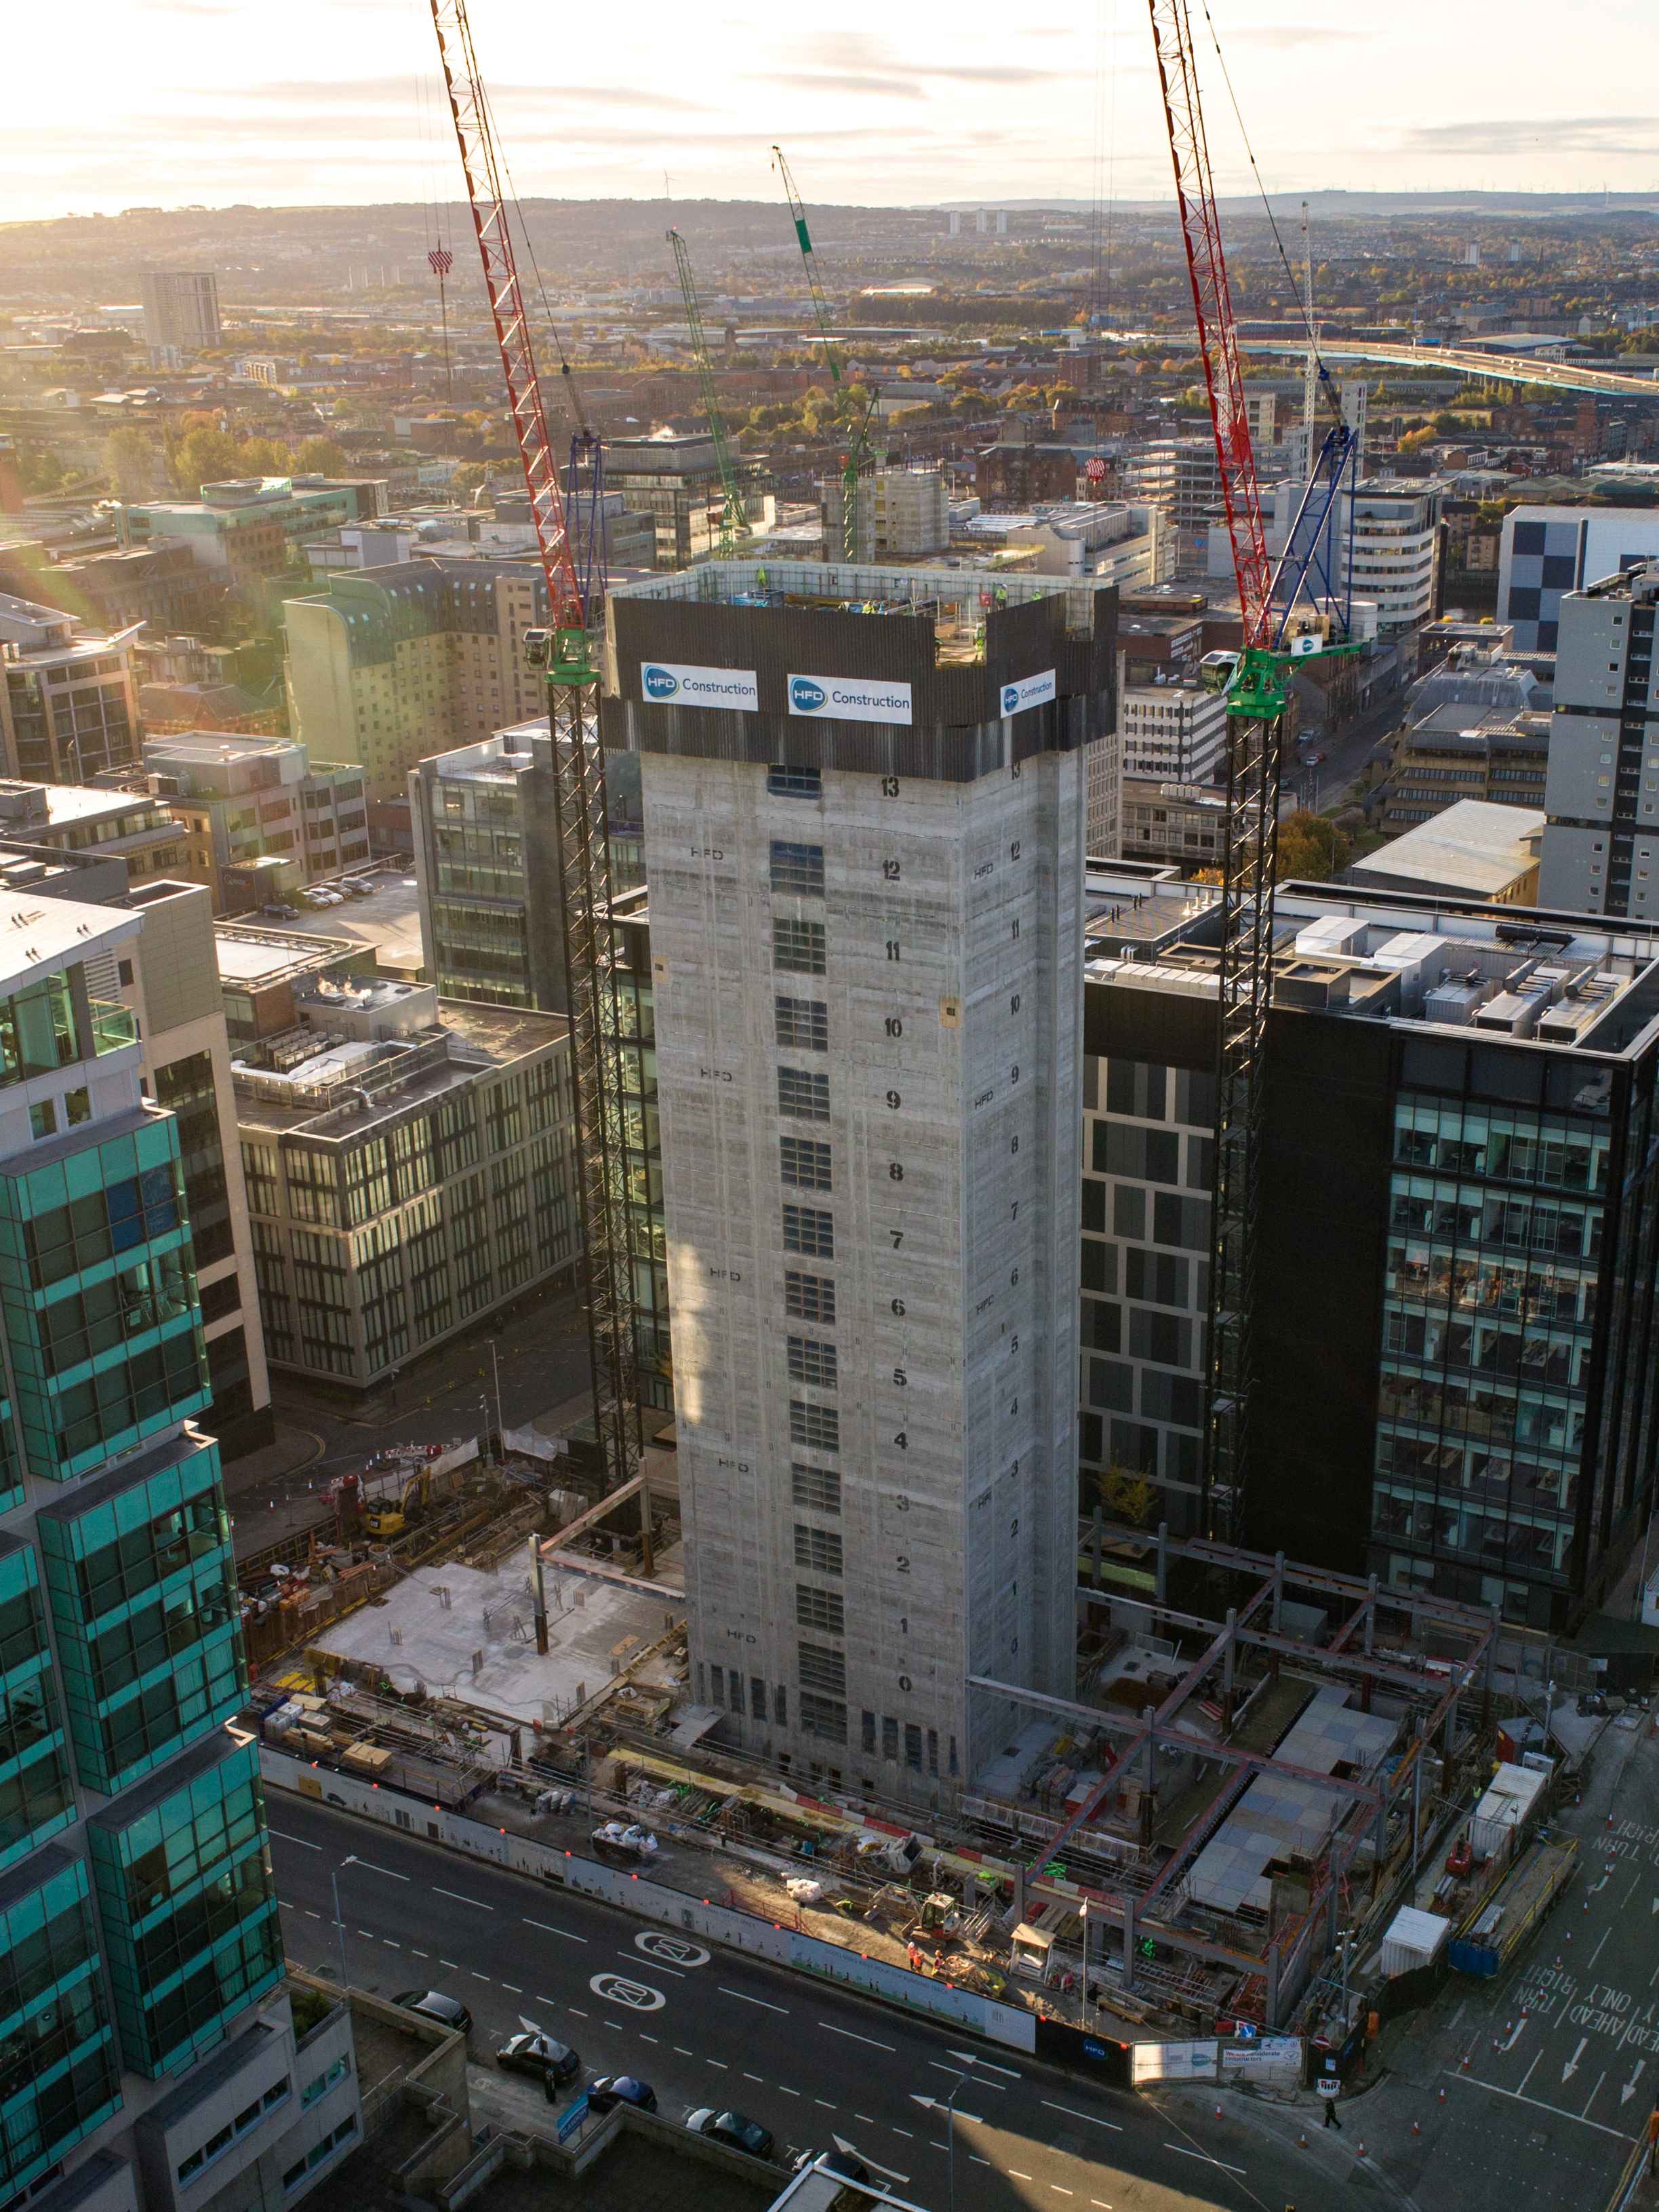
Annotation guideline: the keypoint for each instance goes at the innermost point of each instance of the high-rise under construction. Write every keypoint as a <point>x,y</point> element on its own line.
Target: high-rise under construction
<point>863,795</point>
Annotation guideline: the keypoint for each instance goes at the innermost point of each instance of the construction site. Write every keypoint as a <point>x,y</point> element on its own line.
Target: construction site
<point>1237,1767</point>
<point>1261,1765</point>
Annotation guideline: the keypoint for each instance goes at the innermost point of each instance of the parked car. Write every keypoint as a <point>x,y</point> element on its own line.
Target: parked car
<point>280,911</point>
<point>433,2004</point>
<point>626,1837</point>
<point>620,2089</point>
<point>357,887</point>
<point>541,2055</point>
<point>735,2130</point>
<point>835,2161</point>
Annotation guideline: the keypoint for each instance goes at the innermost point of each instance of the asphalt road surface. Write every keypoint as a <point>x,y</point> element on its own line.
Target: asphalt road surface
<point>813,2064</point>
<point>1533,2088</point>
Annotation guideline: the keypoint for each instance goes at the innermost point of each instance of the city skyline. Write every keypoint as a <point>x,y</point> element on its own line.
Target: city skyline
<point>949,107</point>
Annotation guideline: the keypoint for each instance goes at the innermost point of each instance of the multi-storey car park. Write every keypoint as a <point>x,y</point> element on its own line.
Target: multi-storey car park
<point>862,797</point>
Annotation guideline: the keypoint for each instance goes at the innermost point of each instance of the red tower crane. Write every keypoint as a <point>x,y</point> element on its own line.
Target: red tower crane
<point>567,652</point>
<point>1255,729</point>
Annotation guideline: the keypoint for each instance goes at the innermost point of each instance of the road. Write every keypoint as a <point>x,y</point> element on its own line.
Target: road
<point>1554,2068</point>
<point>811,2064</point>
<point>1322,789</point>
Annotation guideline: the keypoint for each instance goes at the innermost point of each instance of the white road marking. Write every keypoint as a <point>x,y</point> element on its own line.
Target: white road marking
<point>478,1976</point>
<point>788,2091</point>
<point>742,1999</point>
<point>513,1986</point>
<point>287,1838</point>
<point>420,1954</point>
<point>310,1915</point>
<point>1527,2076</point>
<point>935,2067</point>
<point>547,1929</point>
<point>1182,2150</point>
<point>391,1873</point>
<point>1015,2174</point>
<point>905,2133</point>
<point>657,1966</point>
<point>1058,2192</point>
<point>454,1963</point>
<point>1596,1953</point>
<point>720,2062</point>
<point>852,2037</point>
<point>1071,2114</point>
<point>754,2077</point>
<point>1626,2088</point>
<point>683,2052</point>
<point>623,1990</point>
<point>644,2038</point>
<point>1513,2035</point>
<point>1590,2099</point>
<point>825,2102</point>
<point>390,1945</point>
<point>578,2012</point>
<point>1571,2066</point>
<point>476,1902</point>
<point>971,2058</point>
<point>1561,2111</point>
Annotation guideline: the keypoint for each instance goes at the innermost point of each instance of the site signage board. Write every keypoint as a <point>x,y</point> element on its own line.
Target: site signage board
<point>1030,691</point>
<point>850,698</point>
<point>682,684</point>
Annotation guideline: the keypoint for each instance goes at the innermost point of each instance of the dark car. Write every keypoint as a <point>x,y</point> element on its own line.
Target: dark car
<point>842,2162</point>
<point>433,2004</point>
<point>620,2089</point>
<point>544,2056</point>
<point>735,2130</point>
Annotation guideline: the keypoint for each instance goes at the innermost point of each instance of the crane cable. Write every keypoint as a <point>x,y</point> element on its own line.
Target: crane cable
<point>1328,383</point>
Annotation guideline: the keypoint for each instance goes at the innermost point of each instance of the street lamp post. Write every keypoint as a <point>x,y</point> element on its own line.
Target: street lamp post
<point>339,1923</point>
<point>500,1425</point>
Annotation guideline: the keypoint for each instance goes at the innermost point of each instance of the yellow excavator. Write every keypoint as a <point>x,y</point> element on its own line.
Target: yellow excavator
<point>384,1518</point>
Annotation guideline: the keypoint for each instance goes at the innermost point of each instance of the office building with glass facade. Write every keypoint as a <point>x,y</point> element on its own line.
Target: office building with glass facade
<point>1458,1235</point>
<point>141,1981</point>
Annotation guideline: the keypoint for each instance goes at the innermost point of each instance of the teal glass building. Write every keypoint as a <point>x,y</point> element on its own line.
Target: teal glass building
<point>138,1928</point>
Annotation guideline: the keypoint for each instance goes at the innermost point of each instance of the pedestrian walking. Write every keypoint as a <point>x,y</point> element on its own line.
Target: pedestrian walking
<point>1331,2120</point>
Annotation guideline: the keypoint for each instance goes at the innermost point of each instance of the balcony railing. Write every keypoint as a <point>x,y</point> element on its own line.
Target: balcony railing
<point>112,1026</point>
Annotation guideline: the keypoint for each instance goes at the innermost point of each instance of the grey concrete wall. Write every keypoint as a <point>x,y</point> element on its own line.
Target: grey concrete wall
<point>953,1074</point>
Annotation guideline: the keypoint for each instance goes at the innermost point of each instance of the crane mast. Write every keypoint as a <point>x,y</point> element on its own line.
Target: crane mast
<point>734,522</point>
<point>1255,725</point>
<point>859,449</point>
<point>581,819</point>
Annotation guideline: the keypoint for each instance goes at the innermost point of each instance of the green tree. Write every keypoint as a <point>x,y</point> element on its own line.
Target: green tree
<point>263,456</point>
<point>320,457</point>
<point>1310,848</point>
<point>203,456</point>
<point>135,466</point>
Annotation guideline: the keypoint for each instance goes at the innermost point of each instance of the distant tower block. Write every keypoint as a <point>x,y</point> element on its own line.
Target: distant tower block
<point>980,222</point>
<point>1470,256</point>
<point>1002,223</point>
<point>956,223</point>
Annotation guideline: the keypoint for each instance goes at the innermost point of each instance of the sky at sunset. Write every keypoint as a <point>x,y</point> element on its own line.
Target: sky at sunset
<point>168,102</point>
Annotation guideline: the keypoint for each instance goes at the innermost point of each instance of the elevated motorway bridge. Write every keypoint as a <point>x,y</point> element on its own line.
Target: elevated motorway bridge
<point>1470,361</point>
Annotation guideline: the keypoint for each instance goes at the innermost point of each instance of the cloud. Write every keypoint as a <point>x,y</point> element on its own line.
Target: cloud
<point>895,82</point>
<point>862,85</point>
<point>1550,134</point>
<point>1286,37</point>
<point>394,95</point>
